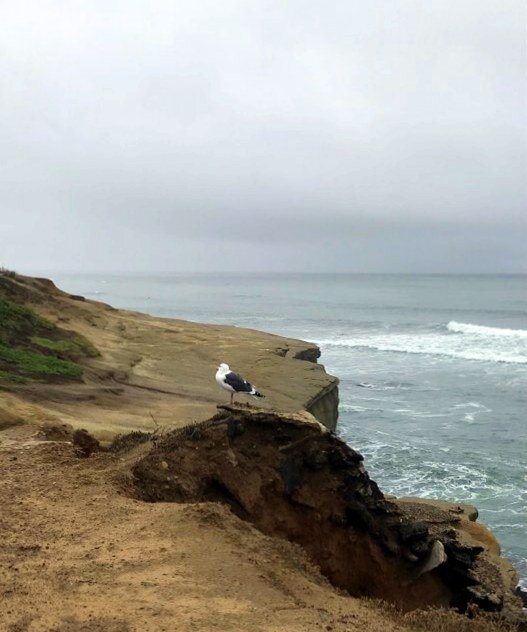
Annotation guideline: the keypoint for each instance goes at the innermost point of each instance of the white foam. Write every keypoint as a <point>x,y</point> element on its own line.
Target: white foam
<point>359,409</point>
<point>506,348</point>
<point>481,330</point>
<point>473,405</point>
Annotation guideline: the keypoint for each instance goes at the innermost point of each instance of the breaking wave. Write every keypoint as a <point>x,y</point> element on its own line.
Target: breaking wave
<point>481,330</point>
<point>456,340</point>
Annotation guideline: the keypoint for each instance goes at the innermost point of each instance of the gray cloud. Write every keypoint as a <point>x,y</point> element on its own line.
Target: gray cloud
<point>263,136</point>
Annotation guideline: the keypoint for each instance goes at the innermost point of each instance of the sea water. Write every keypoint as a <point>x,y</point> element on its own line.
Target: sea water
<point>433,370</point>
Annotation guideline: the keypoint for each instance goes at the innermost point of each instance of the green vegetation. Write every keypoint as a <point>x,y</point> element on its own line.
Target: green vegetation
<point>33,348</point>
<point>12,377</point>
<point>36,365</point>
<point>72,349</point>
<point>17,321</point>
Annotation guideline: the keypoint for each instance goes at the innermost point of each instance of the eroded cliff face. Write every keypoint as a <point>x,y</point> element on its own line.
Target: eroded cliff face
<point>292,478</point>
<point>325,406</point>
<point>147,372</point>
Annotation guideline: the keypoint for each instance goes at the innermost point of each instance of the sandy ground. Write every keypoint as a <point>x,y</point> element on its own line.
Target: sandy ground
<point>79,555</point>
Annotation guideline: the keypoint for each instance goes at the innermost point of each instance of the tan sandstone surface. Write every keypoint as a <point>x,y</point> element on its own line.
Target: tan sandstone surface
<point>160,371</point>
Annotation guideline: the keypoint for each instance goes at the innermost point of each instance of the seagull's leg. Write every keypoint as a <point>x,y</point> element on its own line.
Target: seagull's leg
<point>232,398</point>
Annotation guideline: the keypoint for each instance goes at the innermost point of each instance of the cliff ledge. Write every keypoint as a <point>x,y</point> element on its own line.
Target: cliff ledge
<point>142,371</point>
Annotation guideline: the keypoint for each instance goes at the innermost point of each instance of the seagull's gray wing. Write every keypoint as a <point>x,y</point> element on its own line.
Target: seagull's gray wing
<point>237,383</point>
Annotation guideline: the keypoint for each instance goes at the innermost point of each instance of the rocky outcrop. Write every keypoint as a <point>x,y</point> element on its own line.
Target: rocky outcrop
<point>487,579</point>
<point>456,510</point>
<point>310,353</point>
<point>292,478</point>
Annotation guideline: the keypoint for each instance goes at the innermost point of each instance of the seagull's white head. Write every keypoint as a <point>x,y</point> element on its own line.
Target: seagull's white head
<point>223,367</point>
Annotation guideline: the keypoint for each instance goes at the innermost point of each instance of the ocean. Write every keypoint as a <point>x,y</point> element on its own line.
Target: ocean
<point>433,369</point>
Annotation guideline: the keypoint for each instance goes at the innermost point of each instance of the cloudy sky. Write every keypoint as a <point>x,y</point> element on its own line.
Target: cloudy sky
<point>263,135</point>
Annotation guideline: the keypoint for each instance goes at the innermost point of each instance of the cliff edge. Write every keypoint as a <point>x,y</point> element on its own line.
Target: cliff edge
<point>140,371</point>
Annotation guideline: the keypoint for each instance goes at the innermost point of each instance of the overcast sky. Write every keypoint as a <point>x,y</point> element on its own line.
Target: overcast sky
<point>252,135</point>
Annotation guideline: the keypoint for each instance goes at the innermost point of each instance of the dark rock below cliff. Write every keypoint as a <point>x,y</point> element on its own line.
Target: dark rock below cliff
<point>292,478</point>
<point>309,354</point>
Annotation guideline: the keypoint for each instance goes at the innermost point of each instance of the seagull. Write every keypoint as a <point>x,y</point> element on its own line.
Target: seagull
<point>233,382</point>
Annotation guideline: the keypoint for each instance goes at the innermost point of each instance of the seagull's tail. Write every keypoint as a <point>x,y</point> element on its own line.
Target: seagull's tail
<point>256,393</point>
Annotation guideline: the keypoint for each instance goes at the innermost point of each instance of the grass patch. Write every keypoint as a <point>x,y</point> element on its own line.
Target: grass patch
<point>33,348</point>
<point>71,349</point>
<point>8,376</point>
<point>18,322</point>
<point>37,365</point>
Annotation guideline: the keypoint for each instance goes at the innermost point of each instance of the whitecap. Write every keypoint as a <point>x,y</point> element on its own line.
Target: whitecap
<point>473,405</point>
<point>482,330</point>
<point>359,409</point>
<point>510,350</point>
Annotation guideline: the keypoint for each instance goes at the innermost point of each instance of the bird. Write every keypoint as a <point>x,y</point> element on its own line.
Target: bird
<point>233,382</point>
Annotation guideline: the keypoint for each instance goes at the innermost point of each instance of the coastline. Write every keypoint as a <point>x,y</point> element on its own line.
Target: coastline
<point>130,386</point>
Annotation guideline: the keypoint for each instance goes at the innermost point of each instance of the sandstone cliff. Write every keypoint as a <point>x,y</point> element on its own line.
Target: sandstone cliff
<point>146,371</point>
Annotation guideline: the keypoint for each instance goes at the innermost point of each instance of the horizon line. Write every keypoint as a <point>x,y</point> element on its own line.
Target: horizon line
<point>116,272</point>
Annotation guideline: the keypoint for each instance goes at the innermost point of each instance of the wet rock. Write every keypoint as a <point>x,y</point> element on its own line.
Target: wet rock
<point>461,555</point>
<point>421,548</point>
<point>359,517</point>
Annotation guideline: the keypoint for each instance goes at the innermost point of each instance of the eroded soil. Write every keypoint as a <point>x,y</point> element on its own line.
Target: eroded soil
<point>79,555</point>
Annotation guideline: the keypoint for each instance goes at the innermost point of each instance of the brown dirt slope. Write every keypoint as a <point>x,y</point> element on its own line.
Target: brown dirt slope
<point>78,556</point>
<point>292,478</point>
